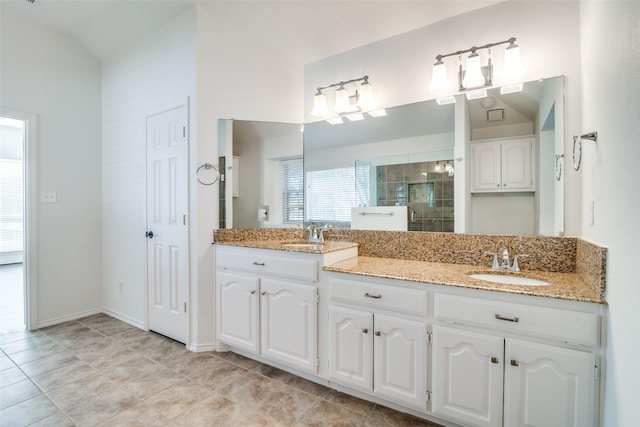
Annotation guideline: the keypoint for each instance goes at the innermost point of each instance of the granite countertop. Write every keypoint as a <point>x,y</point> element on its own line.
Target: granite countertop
<point>298,245</point>
<point>568,286</point>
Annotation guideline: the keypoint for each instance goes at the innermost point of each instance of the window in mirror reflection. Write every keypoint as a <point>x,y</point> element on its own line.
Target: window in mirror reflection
<point>293,191</point>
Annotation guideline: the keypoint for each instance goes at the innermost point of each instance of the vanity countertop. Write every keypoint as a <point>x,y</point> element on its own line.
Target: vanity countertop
<point>568,286</point>
<point>294,245</point>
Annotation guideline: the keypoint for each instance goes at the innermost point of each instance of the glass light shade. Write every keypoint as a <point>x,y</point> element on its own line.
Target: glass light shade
<point>319,105</point>
<point>342,100</point>
<point>439,82</point>
<point>473,74</point>
<point>512,69</point>
<point>366,99</point>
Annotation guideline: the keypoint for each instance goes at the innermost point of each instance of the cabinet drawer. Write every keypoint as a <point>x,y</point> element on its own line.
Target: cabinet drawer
<point>553,323</point>
<point>405,300</point>
<point>257,261</point>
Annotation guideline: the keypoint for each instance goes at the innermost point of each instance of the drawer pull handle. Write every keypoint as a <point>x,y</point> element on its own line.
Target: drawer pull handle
<point>368,295</point>
<point>378,333</point>
<point>261,264</point>
<point>494,360</point>
<point>365,331</point>
<point>508,319</point>
<point>514,363</point>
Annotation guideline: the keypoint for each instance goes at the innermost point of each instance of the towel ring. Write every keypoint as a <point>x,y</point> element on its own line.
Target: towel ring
<point>207,166</point>
<point>559,166</point>
<point>593,136</point>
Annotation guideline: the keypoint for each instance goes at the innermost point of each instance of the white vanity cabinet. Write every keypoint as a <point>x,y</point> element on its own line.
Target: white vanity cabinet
<point>378,341</point>
<point>503,165</point>
<point>261,309</point>
<point>505,364</point>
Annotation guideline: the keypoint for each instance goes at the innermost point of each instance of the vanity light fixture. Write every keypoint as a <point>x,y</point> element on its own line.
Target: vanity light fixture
<point>475,77</point>
<point>347,102</point>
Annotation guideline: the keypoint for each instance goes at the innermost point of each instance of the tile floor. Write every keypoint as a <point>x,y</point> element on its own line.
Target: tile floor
<point>101,371</point>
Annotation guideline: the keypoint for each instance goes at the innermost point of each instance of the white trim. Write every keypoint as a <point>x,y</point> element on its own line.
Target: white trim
<point>30,213</point>
<point>74,316</point>
<point>196,348</point>
<point>125,319</point>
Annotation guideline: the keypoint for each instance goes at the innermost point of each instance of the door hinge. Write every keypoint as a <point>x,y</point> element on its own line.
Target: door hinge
<point>428,396</point>
<point>185,306</point>
<point>317,298</point>
<point>429,337</point>
<point>184,131</point>
<point>596,373</point>
<point>184,219</point>
<point>317,362</point>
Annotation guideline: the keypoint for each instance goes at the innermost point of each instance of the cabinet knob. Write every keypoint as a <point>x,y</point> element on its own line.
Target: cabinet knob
<point>365,331</point>
<point>253,292</point>
<point>514,363</point>
<point>378,333</point>
<point>494,360</point>
<point>263,293</point>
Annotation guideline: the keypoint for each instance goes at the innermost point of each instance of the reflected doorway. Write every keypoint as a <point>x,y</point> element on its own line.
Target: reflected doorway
<point>12,234</point>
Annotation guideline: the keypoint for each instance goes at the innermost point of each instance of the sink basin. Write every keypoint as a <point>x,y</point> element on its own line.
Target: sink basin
<point>509,279</point>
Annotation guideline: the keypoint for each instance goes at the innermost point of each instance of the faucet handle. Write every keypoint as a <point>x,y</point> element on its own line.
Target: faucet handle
<point>515,266</point>
<point>495,265</point>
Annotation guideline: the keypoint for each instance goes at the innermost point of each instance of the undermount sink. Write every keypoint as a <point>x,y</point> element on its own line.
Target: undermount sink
<point>509,279</point>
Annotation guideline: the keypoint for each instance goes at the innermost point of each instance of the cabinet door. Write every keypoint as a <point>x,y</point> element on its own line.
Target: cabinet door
<point>486,167</point>
<point>548,386</point>
<point>237,310</point>
<point>467,376</point>
<point>517,165</point>
<point>400,360</point>
<point>288,313</point>
<point>351,347</point>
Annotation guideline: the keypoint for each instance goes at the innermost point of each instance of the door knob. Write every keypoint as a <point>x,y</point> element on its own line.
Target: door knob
<point>149,234</point>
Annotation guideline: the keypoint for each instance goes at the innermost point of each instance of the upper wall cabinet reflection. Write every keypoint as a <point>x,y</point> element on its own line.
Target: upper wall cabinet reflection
<point>516,166</point>
<point>392,172</point>
<point>261,163</point>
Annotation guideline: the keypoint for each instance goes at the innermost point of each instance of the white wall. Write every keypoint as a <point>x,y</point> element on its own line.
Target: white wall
<point>157,72</point>
<point>611,70</point>
<point>400,67</point>
<point>48,74</point>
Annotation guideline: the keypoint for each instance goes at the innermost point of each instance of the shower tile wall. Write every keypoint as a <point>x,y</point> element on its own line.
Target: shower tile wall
<point>426,192</point>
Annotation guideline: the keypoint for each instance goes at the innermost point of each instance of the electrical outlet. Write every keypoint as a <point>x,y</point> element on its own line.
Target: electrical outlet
<point>48,197</point>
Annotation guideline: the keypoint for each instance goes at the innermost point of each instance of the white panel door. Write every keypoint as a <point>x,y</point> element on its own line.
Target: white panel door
<point>548,386</point>
<point>288,321</point>
<point>167,232</point>
<point>237,310</point>
<point>400,360</point>
<point>351,347</point>
<point>467,376</point>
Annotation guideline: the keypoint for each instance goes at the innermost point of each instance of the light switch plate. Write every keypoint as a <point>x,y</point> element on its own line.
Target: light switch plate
<point>48,197</point>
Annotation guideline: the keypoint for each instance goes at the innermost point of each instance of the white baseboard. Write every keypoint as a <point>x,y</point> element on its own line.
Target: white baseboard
<point>125,319</point>
<point>69,317</point>
<point>201,347</point>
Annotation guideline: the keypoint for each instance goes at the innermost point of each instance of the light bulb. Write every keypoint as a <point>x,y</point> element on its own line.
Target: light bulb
<point>366,99</point>
<point>342,100</point>
<point>319,105</point>
<point>473,74</point>
<point>512,69</point>
<point>439,82</point>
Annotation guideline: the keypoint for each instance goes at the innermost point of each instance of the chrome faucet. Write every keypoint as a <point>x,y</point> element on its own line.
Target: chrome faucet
<point>505,261</point>
<point>316,235</point>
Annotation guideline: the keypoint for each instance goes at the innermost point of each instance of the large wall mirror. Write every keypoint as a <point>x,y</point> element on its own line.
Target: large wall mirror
<point>398,172</point>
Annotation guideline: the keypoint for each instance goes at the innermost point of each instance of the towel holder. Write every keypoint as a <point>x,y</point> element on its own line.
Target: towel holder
<point>207,166</point>
<point>591,136</point>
